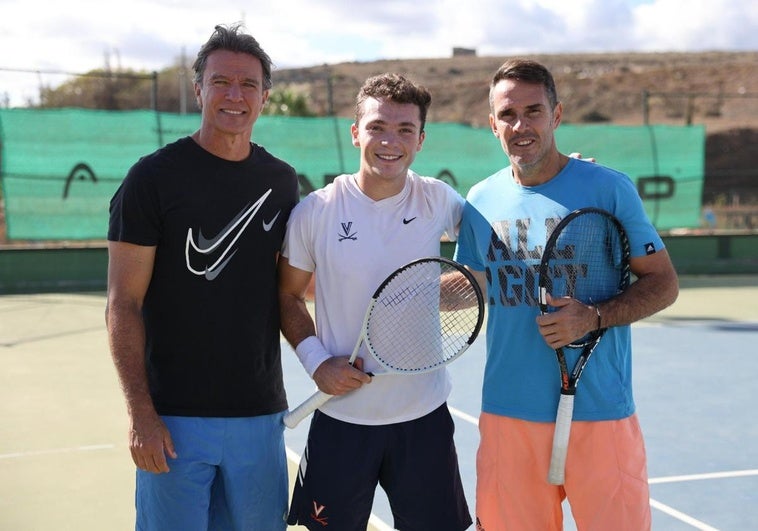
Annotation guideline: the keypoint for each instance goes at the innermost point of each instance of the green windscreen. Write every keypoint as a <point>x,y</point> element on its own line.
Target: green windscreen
<point>60,167</point>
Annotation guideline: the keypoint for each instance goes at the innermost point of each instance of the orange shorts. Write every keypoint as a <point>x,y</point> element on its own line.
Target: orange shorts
<point>606,476</point>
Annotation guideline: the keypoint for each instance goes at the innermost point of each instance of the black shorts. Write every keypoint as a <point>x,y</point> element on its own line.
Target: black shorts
<point>415,462</point>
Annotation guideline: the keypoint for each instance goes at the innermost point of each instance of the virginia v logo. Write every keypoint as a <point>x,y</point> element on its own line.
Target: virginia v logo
<point>317,516</point>
<point>216,252</point>
<point>346,234</point>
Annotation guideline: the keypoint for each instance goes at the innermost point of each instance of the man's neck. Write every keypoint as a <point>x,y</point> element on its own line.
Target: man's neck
<point>227,147</point>
<point>539,173</point>
<point>378,188</point>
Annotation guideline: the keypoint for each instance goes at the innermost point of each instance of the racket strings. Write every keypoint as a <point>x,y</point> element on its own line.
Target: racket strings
<point>422,319</point>
<point>588,260</point>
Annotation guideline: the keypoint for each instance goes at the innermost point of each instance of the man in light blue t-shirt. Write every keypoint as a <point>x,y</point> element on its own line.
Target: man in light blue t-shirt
<point>502,235</point>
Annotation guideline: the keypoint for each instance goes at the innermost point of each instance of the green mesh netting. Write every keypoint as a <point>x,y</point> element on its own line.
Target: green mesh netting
<point>60,167</point>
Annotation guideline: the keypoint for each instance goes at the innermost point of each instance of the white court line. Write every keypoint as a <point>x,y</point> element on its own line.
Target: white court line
<point>711,475</point>
<point>379,524</point>
<point>464,416</point>
<point>697,524</point>
<point>90,448</point>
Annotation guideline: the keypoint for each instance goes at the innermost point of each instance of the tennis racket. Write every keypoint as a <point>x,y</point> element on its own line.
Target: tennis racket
<point>423,316</point>
<point>586,258</point>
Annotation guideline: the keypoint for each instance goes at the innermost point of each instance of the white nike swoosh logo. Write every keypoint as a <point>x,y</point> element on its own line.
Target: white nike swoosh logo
<point>267,226</point>
<point>233,230</point>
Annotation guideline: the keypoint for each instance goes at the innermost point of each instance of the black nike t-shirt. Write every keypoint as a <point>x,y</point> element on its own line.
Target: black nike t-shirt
<point>211,311</point>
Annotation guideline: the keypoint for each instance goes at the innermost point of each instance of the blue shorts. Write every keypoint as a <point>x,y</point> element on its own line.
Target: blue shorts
<point>230,473</point>
<point>415,462</point>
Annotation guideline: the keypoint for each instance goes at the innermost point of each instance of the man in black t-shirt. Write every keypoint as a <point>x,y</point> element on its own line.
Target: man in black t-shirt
<point>193,314</point>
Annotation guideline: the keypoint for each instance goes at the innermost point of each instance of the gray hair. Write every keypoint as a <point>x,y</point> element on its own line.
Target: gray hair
<point>230,38</point>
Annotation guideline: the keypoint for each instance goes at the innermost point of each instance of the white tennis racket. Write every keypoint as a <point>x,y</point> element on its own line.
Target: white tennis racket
<point>423,316</point>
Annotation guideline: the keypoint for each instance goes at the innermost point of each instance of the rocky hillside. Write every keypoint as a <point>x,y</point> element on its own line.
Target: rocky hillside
<point>718,89</point>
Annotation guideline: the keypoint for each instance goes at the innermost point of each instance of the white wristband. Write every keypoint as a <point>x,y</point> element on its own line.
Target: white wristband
<point>311,353</point>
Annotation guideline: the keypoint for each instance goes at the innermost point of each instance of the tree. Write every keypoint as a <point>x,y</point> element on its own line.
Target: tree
<point>172,87</point>
<point>287,102</point>
<point>101,89</point>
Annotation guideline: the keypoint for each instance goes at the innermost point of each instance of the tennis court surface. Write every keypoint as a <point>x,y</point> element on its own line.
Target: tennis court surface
<point>65,465</point>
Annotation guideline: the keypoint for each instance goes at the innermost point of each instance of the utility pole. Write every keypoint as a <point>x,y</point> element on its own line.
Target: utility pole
<point>183,82</point>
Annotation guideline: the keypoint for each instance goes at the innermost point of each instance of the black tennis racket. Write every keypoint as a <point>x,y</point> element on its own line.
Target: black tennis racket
<point>423,316</point>
<point>586,258</point>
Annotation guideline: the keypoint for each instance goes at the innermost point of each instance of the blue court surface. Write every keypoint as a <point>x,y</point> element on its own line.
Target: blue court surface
<point>694,386</point>
<point>65,464</point>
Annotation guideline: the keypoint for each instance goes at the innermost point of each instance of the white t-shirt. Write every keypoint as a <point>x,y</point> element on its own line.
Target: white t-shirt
<point>352,243</point>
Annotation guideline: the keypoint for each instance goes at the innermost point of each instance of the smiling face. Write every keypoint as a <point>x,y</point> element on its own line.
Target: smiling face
<point>389,136</point>
<point>524,122</point>
<point>231,97</point>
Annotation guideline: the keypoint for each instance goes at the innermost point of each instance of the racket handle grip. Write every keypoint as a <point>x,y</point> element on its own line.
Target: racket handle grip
<point>556,473</point>
<point>316,400</point>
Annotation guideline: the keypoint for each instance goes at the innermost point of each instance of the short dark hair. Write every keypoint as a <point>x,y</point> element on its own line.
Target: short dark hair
<point>528,71</point>
<point>397,89</point>
<point>232,39</point>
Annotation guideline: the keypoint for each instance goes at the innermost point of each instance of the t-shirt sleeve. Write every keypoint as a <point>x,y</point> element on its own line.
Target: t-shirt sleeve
<point>454,211</point>
<point>466,249</point>
<point>134,210</point>
<point>643,236</point>
<point>297,247</point>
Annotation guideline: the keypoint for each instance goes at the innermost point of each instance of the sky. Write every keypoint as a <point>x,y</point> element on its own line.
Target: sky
<point>76,36</point>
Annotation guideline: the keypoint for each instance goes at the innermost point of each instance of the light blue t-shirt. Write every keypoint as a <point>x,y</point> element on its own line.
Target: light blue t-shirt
<point>503,232</point>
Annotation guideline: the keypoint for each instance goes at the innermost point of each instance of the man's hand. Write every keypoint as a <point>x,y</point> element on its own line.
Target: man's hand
<point>337,377</point>
<point>149,442</point>
<point>576,155</point>
<point>572,321</point>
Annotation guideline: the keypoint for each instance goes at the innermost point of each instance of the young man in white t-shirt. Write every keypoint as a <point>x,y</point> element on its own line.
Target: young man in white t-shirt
<point>395,431</point>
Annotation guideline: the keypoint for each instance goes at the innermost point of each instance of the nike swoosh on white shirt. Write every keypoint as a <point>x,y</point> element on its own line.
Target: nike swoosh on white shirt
<point>231,233</point>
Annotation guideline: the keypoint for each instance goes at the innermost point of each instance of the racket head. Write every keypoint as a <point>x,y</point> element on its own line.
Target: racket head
<point>586,258</point>
<point>423,316</point>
